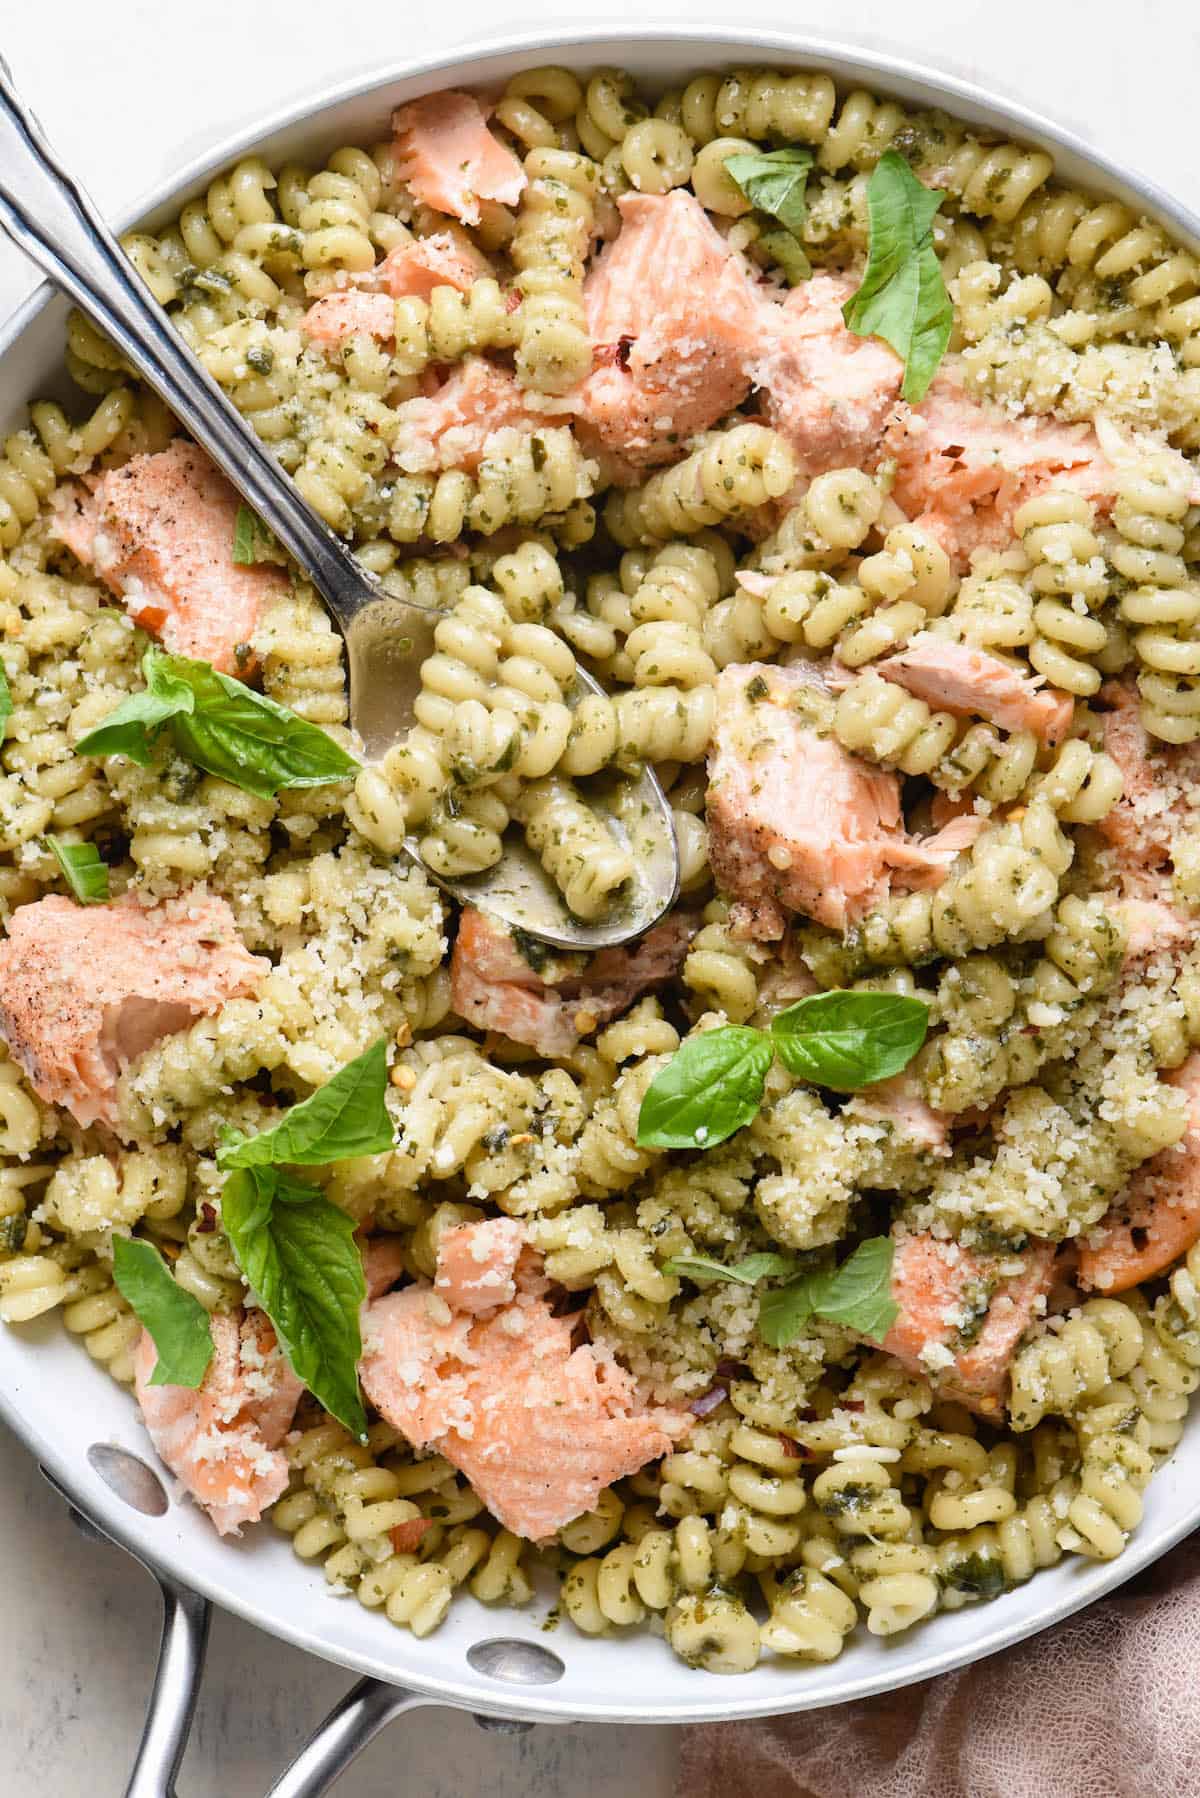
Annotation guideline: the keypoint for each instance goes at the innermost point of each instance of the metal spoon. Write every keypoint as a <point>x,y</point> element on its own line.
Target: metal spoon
<point>48,214</point>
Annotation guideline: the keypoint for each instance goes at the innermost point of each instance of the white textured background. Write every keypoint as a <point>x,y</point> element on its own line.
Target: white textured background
<point>128,91</point>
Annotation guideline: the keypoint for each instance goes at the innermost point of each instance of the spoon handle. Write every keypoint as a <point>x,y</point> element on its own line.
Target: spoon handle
<point>49,215</point>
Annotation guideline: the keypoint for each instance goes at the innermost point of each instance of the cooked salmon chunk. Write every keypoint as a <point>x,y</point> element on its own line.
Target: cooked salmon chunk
<point>955,677</point>
<point>84,990</point>
<point>338,317</point>
<point>1157,1219</point>
<point>448,159</point>
<point>439,260</point>
<point>539,1429</point>
<point>159,531</point>
<point>675,320</point>
<point>828,391</point>
<point>897,1104</point>
<point>1158,781</point>
<point>796,823</point>
<point>223,1439</point>
<point>476,1264</point>
<point>549,1002</point>
<point>963,1313</point>
<point>450,428</point>
<point>963,468</point>
<point>383,1263</point>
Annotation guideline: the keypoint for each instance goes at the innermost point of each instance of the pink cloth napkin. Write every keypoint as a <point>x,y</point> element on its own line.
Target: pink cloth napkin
<point>1106,1705</point>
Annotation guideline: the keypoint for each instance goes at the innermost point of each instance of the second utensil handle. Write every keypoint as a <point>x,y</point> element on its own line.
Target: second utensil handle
<point>50,216</point>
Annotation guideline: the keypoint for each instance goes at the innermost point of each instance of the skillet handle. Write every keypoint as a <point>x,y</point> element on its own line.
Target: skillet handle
<point>353,1723</point>
<point>172,1702</point>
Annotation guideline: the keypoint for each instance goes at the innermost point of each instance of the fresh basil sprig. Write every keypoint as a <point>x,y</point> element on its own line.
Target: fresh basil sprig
<point>774,182</point>
<point>846,1040</point>
<point>178,1324</point>
<point>85,873</point>
<point>711,1086</point>
<point>347,1116</point>
<point>857,1294</point>
<point>298,1252</point>
<point>221,725</point>
<point>903,297</point>
<point>252,541</point>
<point>295,1248</point>
<point>714,1082</point>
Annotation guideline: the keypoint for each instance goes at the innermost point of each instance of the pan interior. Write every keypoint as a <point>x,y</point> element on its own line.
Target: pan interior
<point>84,1429</point>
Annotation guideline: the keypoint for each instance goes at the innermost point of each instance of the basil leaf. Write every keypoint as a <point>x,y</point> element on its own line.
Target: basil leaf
<point>903,298</point>
<point>774,181</point>
<point>711,1086</point>
<point>252,541</point>
<point>243,535</point>
<point>846,1040</point>
<point>222,726</point>
<point>299,1254</point>
<point>86,874</point>
<point>783,1311</point>
<point>745,1273</point>
<point>347,1116</point>
<point>789,253</point>
<point>178,1323</point>
<point>857,1294</point>
<point>6,704</point>
<point>132,729</point>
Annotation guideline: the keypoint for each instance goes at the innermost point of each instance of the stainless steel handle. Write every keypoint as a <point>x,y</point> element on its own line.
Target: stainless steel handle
<point>172,1702</point>
<point>50,216</point>
<point>369,1707</point>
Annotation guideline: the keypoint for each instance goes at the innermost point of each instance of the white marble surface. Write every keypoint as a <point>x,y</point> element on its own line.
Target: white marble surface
<point>127,91</point>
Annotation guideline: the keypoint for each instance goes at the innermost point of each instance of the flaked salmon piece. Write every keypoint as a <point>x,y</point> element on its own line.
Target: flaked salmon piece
<point>333,320</point>
<point>85,989</point>
<point>439,260</point>
<point>675,319</point>
<point>1157,1218</point>
<point>539,1429</point>
<point>963,1313</point>
<point>1152,927</point>
<point>1157,781</point>
<point>159,531</point>
<point>826,390</point>
<point>940,850</point>
<point>476,1264</point>
<point>383,1264</point>
<point>898,1104</point>
<point>963,468</point>
<point>795,822</point>
<point>448,159</point>
<point>222,1440</point>
<point>451,427</point>
<point>495,986</point>
<point>956,677</point>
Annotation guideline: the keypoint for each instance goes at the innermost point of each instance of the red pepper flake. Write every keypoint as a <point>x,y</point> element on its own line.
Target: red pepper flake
<point>790,1447</point>
<point>208,1219</point>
